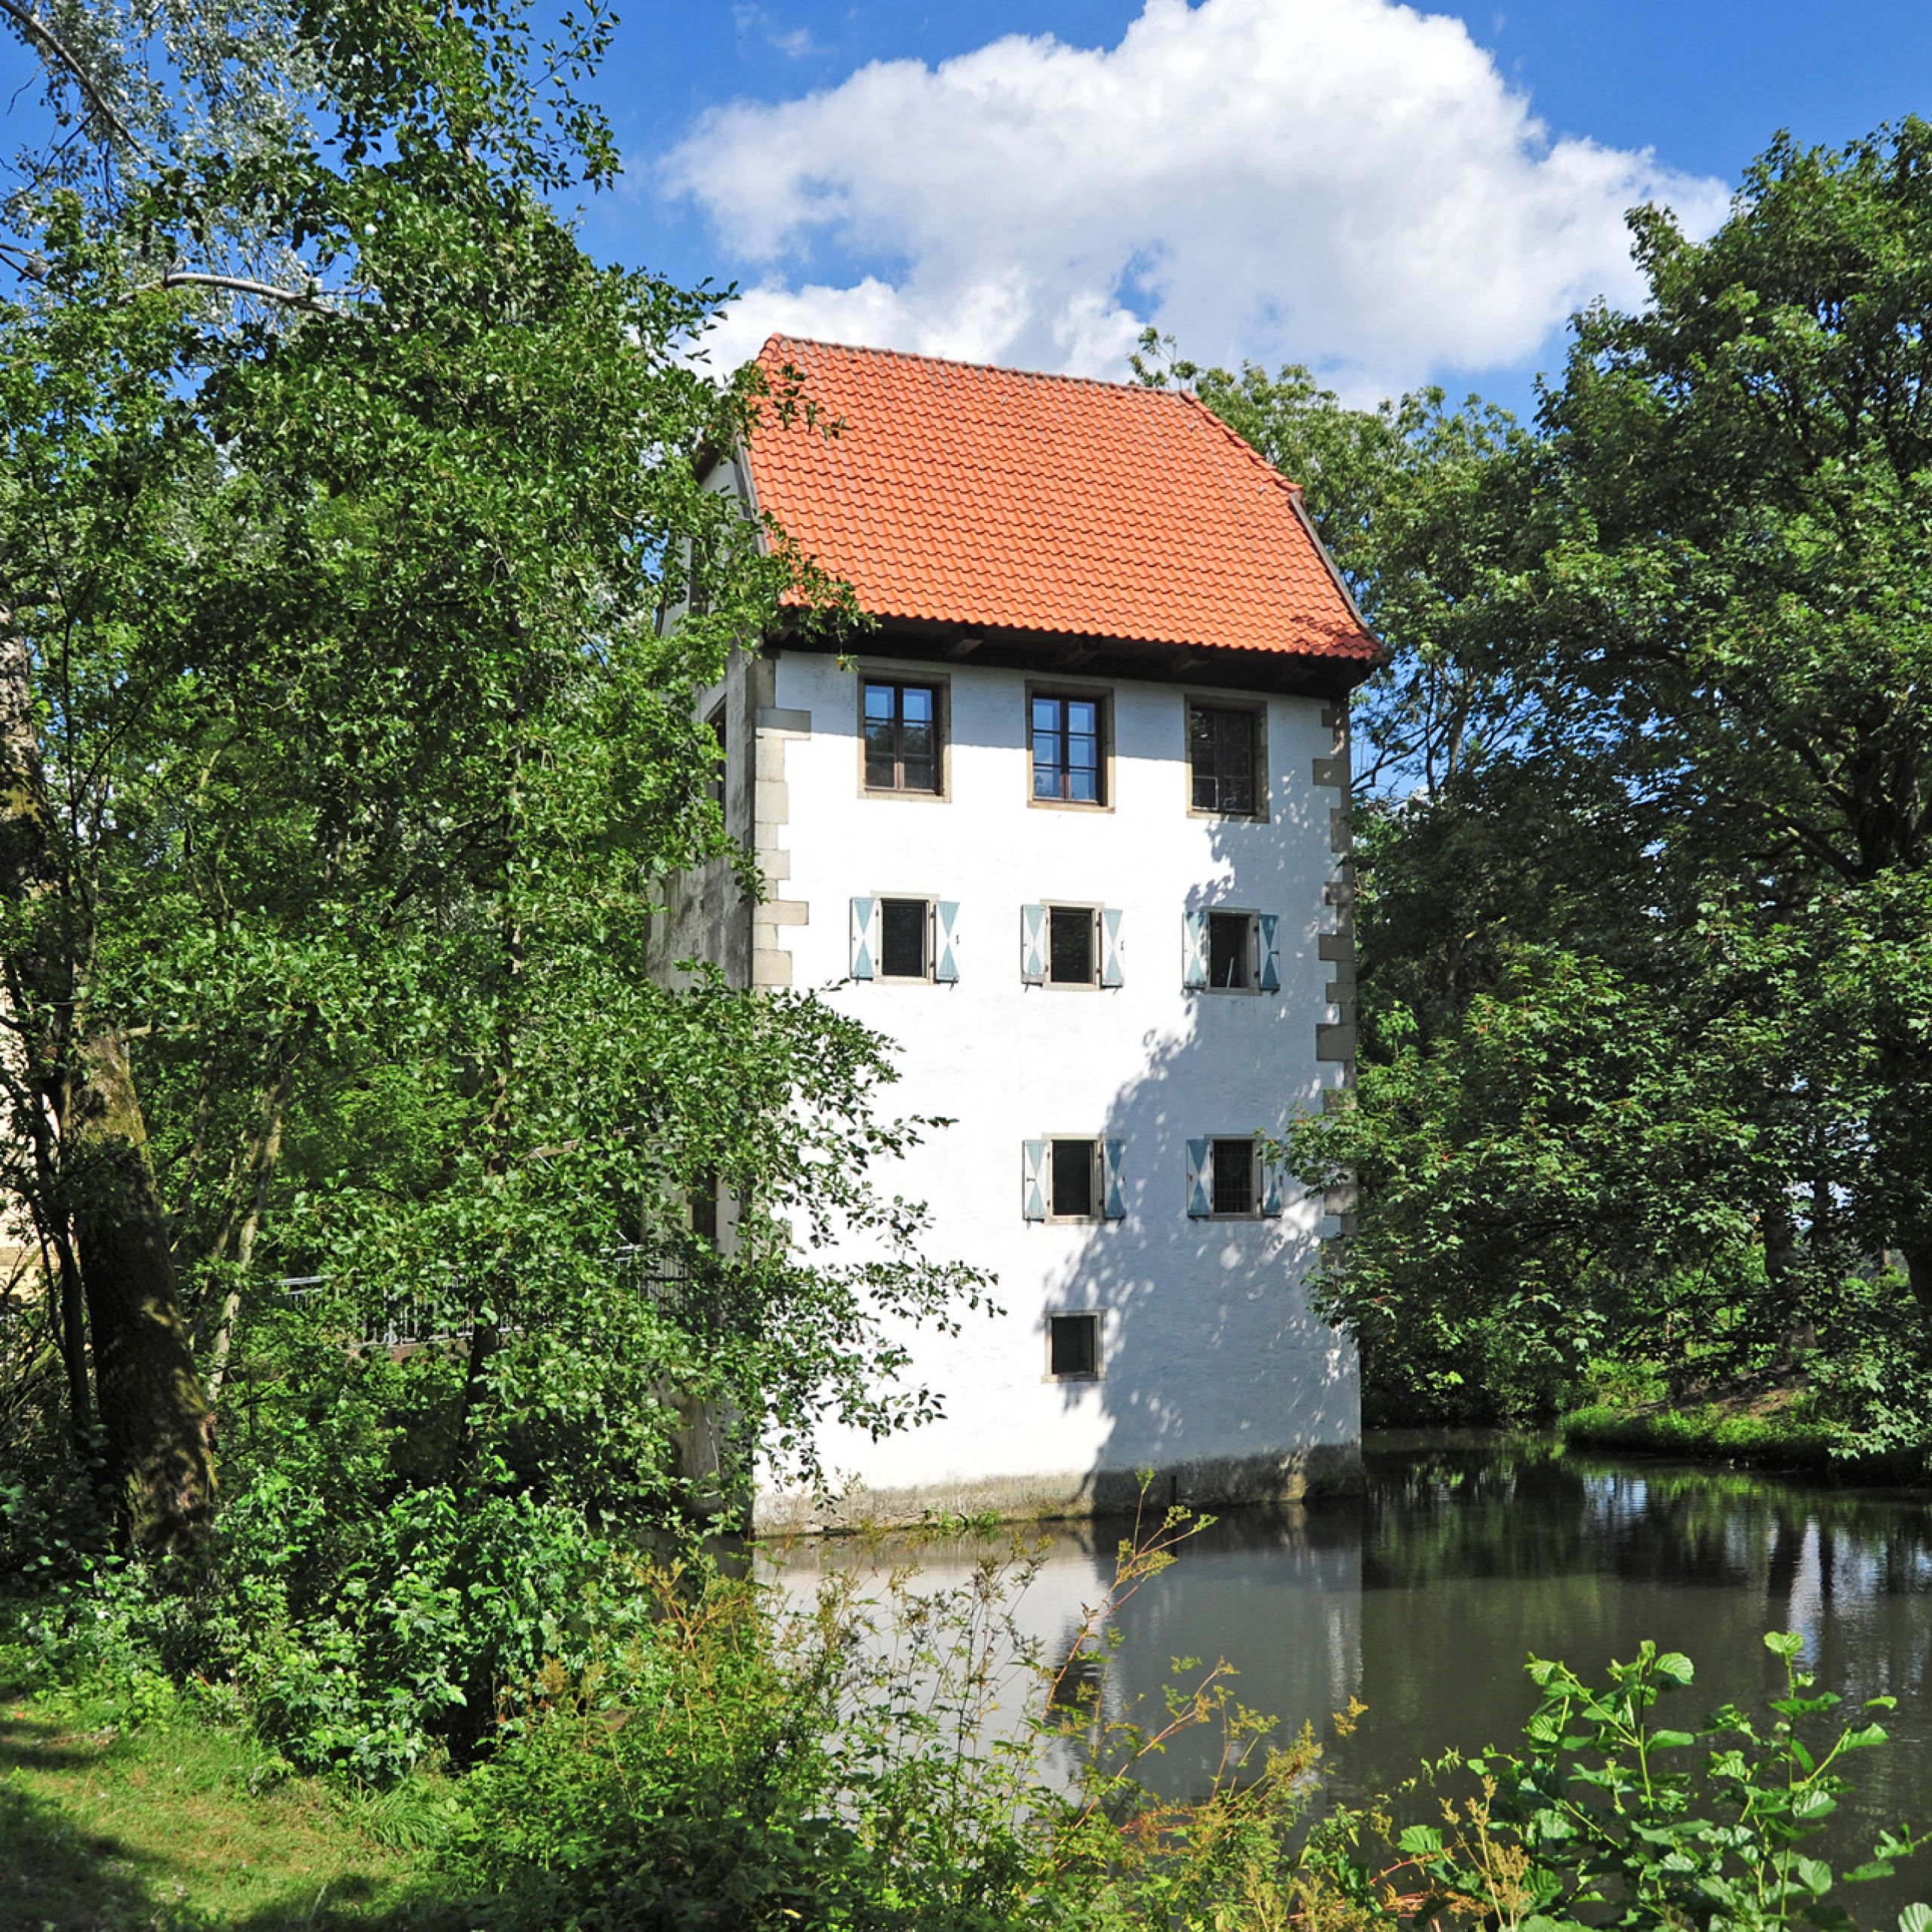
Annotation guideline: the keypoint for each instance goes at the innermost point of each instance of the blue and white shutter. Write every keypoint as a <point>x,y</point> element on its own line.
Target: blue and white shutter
<point>1268,933</point>
<point>1033,944</point>
<point>946,916</point>
<point>1274,1187</point>
<point>1113,1195</point>
<point>1033,1180</point>
<point>1194,950</point>
<point>1113,969</point>
<point>864,938</point>
<point>1200,1178</point>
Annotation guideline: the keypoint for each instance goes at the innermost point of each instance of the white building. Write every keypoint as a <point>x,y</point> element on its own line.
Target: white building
<point>1070,832</point>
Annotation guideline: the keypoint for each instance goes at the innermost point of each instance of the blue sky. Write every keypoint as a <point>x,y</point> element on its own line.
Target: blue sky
<point>1392,194</point>
<point>1428,209</point>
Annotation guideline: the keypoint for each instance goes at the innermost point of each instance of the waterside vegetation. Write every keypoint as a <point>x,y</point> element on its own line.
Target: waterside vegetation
<point>344,753</point>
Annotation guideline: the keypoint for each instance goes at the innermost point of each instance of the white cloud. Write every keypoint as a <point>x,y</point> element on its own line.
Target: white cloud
<point>1346,182</point>
<point>795,43</point>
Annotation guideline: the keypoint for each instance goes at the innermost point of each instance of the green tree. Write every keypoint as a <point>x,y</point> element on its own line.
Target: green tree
<point>1702,581</point>
<point>349,750</point>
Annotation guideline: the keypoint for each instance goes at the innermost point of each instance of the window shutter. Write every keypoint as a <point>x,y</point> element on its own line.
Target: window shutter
<point>1033,1180</point>
<point>1269,933</point>
<point>1111,973</point>
<point>1113,1198</point>
<point>1033,944</point>
<point>946,914</point>
<point>1194,950</point>
<point>1200,1178</point>
<point>1274,1185</point>
<point>864,938</point>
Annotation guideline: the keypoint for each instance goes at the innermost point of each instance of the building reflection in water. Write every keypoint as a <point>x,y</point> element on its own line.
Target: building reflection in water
<point>1425,1598</point>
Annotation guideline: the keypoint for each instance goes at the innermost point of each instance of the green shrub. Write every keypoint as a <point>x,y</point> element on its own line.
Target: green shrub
<point>1607,1818</point>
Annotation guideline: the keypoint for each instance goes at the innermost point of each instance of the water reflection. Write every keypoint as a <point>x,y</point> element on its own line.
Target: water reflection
<point>1462,1558</point>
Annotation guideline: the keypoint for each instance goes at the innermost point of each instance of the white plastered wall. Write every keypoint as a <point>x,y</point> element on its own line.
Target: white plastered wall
<point>1217,1373</point>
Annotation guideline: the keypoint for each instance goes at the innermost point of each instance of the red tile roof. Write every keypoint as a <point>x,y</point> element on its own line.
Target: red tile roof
<point>995,497</point>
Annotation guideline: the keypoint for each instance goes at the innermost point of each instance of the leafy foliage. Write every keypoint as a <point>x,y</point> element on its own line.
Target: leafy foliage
<point>1608,1817</point>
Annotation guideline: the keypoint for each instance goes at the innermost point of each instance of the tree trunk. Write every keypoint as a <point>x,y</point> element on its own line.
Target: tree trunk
<point>94,1178</point>
<point>1918,1272</point>
<point>155,1419</point>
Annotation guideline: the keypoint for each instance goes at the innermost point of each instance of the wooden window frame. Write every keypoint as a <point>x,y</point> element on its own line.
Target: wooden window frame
<point>880,975</point>
<point>1257,1180</point>
<point>1096,940</point>
<point>1101,696</point>
<point>1250,917</point>
<point>1098,1316</point>
<point>1097,1184</point>
<point>1256,709</point>
<point>941,687</point>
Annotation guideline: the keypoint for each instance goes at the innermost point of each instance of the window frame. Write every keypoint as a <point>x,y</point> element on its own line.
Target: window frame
<point>1256,710</point>
<point>941,687</point>
<point>1097,956</point>
<point>1257,1180</point>
<point>929,944</point>
<point>1094,942</point>
<point>1102,697</point>
<point>1250,920</point>
<point>1098,1316</point>
<point>1096,1181</point>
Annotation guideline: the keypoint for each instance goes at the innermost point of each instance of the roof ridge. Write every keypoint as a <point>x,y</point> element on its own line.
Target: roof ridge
<point>962,362</point>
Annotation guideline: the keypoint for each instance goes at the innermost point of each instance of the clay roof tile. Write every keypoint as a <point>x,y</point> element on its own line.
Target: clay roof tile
<point>960,493</point>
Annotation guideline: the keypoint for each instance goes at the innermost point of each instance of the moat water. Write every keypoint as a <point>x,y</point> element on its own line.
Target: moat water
<point>1423,1598</point>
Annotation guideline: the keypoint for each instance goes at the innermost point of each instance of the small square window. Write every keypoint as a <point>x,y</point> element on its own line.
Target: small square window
<point>1230,951</point>
<point>1234,1177</point>
<point>1071,1180</point>
<point>1073,1347</point>
<point>902,733</point>
<point>1224,759</point>
<point>903,926</point>
<point>1070,948</point>
<point>1068,737</point>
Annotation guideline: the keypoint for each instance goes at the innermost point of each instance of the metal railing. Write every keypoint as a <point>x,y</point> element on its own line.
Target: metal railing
<point>414,1320</point>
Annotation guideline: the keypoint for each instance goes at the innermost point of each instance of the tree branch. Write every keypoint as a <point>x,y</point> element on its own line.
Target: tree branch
<point>239,284</point>
<point>39,31</point>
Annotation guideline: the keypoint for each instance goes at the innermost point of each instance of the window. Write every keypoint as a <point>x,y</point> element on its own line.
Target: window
<point>902,924</point>
<point>1073,1347</point>
<point>902,745</point>
<point>1224,759</point>
<point>905,938</point>
<point>1071,946</point>
<point>1073,1177</point>
<point>1070,949</point>
<point>1227,951</point>
<point>716,788</point>
<point>1071,1180</point>
<point>1234,1177</point>
<point>1227,1179</point>
<point>1230,950</point>
<point>1066,734</point>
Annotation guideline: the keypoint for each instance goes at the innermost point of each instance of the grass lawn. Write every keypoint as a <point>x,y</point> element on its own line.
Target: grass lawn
<point>176,1824</point>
